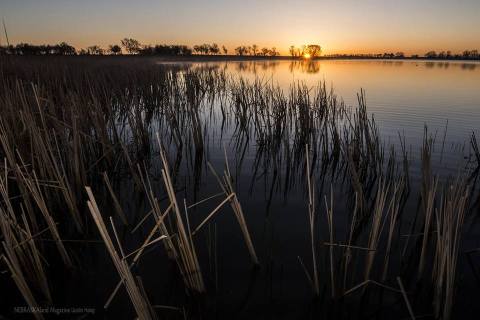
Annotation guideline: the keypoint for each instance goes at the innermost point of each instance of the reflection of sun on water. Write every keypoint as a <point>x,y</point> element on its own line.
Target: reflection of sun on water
<point>307,56</point>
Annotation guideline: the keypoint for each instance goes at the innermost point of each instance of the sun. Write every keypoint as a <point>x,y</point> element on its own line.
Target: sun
<point>307,56</point>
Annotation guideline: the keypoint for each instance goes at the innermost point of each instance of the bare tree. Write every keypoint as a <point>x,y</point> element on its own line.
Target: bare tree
<point>293,51</point>
<point>225,50</point>
<point>314,50</point>
<point>114,49</point>
<point>214,49</point>
<point>64,48</point>
<point>254,49</point>
<point>206,48</point>
<point>301,51</point>
<point>273,52</point>
<point>131,45</point>
<point>96,50</point>
<point>241,50</point>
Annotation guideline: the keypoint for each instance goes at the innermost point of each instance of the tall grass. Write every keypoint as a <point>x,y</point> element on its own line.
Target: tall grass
<point>127,129</point>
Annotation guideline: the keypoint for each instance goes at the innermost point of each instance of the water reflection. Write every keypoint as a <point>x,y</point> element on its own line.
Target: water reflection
<point>305,66</point>
<point>402,94</point>
<point>447,64</point>
<point>314,66</point>
<point>469,66</point>
<point>255,66</point>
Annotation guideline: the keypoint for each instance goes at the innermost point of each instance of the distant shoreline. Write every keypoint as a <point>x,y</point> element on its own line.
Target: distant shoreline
<point>195,58</point>
<point>232,58</point>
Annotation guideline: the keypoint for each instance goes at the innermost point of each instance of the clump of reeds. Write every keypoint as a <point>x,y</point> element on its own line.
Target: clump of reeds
<point>140,302</point>
<point>428,191</point>
<point>449,221</point>
<point>187,254</point>
<point>226,185</point>
<point>311,219</point>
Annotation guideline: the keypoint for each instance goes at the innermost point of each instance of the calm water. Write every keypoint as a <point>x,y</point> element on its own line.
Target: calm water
<point>403,95</point>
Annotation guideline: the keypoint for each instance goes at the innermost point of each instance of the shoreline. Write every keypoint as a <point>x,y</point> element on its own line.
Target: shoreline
<point>235,58</point>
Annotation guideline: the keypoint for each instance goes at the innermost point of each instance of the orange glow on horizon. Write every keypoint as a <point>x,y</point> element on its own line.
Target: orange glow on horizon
<point>307,56</point>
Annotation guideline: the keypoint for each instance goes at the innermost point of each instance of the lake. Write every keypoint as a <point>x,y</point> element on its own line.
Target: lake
<point>351,178</point>
<point>405,98</point>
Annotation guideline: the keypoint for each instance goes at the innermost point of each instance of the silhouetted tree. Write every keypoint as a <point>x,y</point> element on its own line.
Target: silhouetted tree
<point>202,49</point>
<point>114,49</point>
<point>431,54</point>
<point>293,51</point>
<point>65,49</point>
<point>265,51</point>
<point>241,50</point>
<point>273,52</point>
<point>314,50</point>
<point>95,50</point>
<point>225,50</point>
<point>206,48</point>
<point>214,49</point>
<point>166,50</point>
<point>26,49</point>
<point>470,54</point>
<point>29,49</point>
<point>399,55</point>
<point>132,46</point>
<point>302,50</point>
<point>254,49</point>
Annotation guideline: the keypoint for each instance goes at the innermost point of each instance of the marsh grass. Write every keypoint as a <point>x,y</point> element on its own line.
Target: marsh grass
<point>127,129</point>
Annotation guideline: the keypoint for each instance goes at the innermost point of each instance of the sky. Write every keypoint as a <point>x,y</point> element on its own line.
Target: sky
<point>341,26</point>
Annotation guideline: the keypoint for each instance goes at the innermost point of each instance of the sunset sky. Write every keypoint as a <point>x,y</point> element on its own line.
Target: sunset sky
<point>343,26</point>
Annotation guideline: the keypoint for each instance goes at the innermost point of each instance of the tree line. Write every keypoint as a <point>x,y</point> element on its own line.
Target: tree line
<point>310,51</point>
<point>62,48</point>
<point>467,54</point>
<point>134,47</point>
